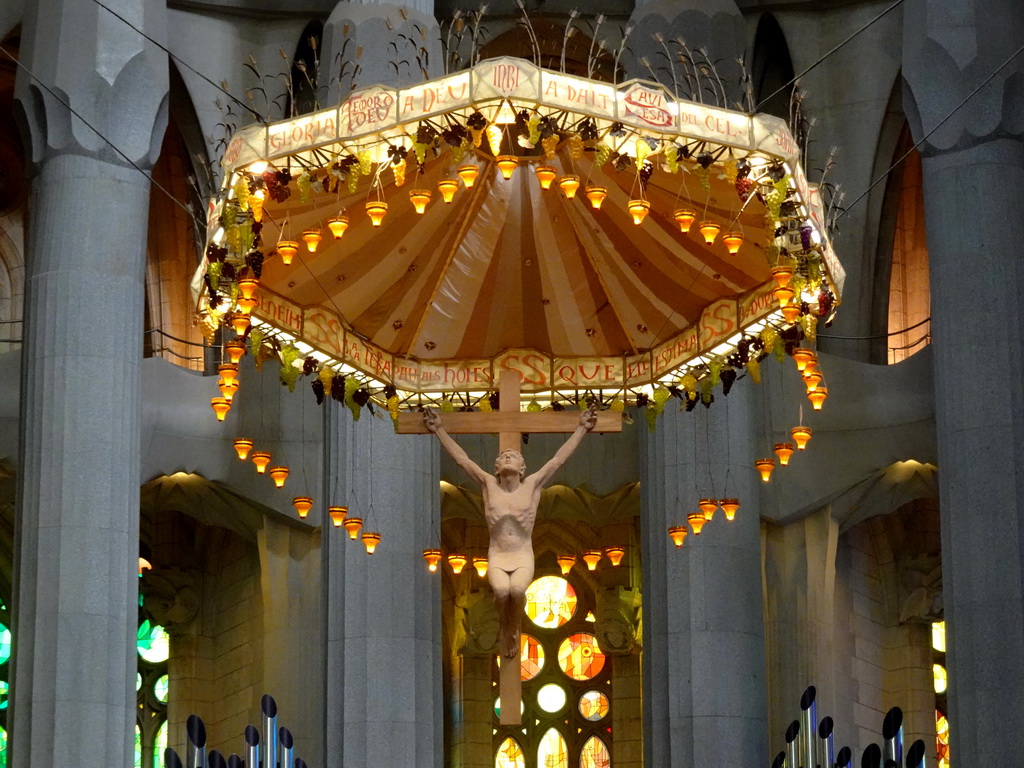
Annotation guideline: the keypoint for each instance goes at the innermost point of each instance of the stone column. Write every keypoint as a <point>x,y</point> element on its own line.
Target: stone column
<point>78,491</point>
<point>704,664</point>
<point>382,613</point>
<point>973,168</point>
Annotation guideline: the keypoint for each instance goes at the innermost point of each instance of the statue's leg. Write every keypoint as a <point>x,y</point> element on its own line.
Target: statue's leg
<point>519,580</point>
<point>501,585</point>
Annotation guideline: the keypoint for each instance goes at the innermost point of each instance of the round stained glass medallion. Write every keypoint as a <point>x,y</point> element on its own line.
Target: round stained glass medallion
<point>594,705</point>
<point>5,689</point>
<point>551,697</point>
<point>580,656</point>
<point>153,643</point>
<point>531,656</point>
<point>550,601</point>
<point>160,688</point>
<point>497,707</point>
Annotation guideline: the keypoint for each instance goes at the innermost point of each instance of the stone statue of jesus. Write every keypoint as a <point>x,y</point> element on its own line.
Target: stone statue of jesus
<point>510,509</point>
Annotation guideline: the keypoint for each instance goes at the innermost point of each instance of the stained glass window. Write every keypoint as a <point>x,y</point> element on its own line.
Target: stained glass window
<point>550,602</point>
<point>580,657</point>
<point>531,657</point>
<point>595,754</point>
<point>509,755</point>
<point>3,748</point>
<point>4,690</point>
<point>594,705</point>
<point>939,636</point>
<point>160,688</point>
<point>941,740</point>
<point>497,707</point>
<point>551,697</point>
<point>939,677</point>
<point>138,747</point>
<point>159,745</point>
<point>153,643</point>
<point>5,643</point>
<point>552,752</point>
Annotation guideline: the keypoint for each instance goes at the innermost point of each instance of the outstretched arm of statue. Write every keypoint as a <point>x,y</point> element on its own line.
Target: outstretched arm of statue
<point>433,423</point>
<point>587,421</point>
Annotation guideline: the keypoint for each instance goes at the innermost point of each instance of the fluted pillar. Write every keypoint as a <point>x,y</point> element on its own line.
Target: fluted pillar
<point>704,667</point>
<point>973,173</point>
<point>76,592</point>
<point>382,613</point>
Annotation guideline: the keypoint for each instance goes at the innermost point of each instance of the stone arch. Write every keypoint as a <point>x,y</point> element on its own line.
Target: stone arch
<point>771,68</point>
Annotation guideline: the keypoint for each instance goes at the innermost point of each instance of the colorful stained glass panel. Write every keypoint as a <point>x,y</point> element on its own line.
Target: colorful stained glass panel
<point>939,678</point>
<point>509,755</point>
<point>159,745</point>
<point>939,636</point>
<point>497,707</point>
<point>595,754</point>
<point>160,688</point>
<point>138,747</point>
<point>531,656</point>
<point>552,752</point>
<point>5,689</point>
<point>5,643</point>
<point>594,705</point>
<point>580,656</point>
<point>941,740</point>
<point>550,602</point>
<point>153,643</point>
<point>3,748</point>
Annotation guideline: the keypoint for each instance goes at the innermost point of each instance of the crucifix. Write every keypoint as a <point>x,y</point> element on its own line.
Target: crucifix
<point>510,502</point>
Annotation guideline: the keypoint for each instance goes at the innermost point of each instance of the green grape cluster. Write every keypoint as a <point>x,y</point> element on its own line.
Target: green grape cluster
<point>305,187</point>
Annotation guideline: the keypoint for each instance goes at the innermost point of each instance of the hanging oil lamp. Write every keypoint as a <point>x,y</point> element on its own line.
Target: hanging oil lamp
<point>817,397</point>
<point>783,451</point>
<point>302,505</point>
<point>311,237</point>
<point>596,195</point>
<point>784,295</point>
<point>370,540</point>
<point>801,436</point>
<point>376,210</point>
<point>221,406</point>
<point>468,174</point>
<point>696,520</point>
<point>228,371</point>
<point>507,164</point>
<point>802,356</point>
<point>791,313</point>
<point>287,250</point>
<point>480,564</point>
<point>733,241</point>
<point>678,535</point>
<point>261,459</point>
<point>352,525</point>
<point>565,563</point>
<point>420,198</point>
<point>765,467</point>
<point>684,218</point>
<point>782,273</point>
<point>615,555</point>
<point>729,506</point>
<point>433,556</point>
<point>228,389</point>
<point>337,515</point>
<point>812,380</point>
<point>247,287</point>
<point>242,447</point>
<point>457,562</point>
<point>709,230</point>
<point>545,175</point>
<point>279,475</point>
<point>448,188</point>
<point>639,209</point>
<point>569,184</point>
<point>592,557</point>
<point>708,507</point>
<point>338,225</point>
<point>240,321</point>
<point>235,349</point>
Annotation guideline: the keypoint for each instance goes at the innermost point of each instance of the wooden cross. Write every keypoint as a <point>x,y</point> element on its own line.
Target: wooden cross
<point>510,424</point>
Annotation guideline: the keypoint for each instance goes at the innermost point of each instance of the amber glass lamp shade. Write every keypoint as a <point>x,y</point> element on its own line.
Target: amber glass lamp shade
<point>245,306</point>
<point>709,231</point>
<point>457,562</point>
<point>729,506</point>
<point>812,380</point>
<point>337,515</point>
<point>338,225</point>
<point>287,249</point>
<point>569,185</point>
<point>247,287</point>
<point>420,198</point>
<point>733,241</point>
<point>802,357</point>
<point>592,557</point>
<point>261,459</point>
<point>279,475</point>
<point>448,188</point>
<point>221,406</point>
<point>783,451</point>
<point>433,556</point>
<point>376,210</point>
<point>566,562</point>
<point>311,237</point>
<point>468,174</point>
<point>228,389</point>
<point>639,209</point>
<point>801,436</point>
<point>765,467</point>
<point>352,525</point>
<point>228,371</point>
<point>784,295</point>
<point>708,507</point>
<point>240,321</point>
<point>791,313</point>
<point>817,397</point>
<point>696,520</point>
<point>235,349</point>
<point>684,218</point>
<point>596,195</point>
<point>480,564</point>
<point>242,447</point>
<point>302,505</point>
<point>507,164</point>
<point>615,554</point>
<point>782,274</point>
<point>370,540</point>
<point>678,535</point>
<point>545,175</point>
